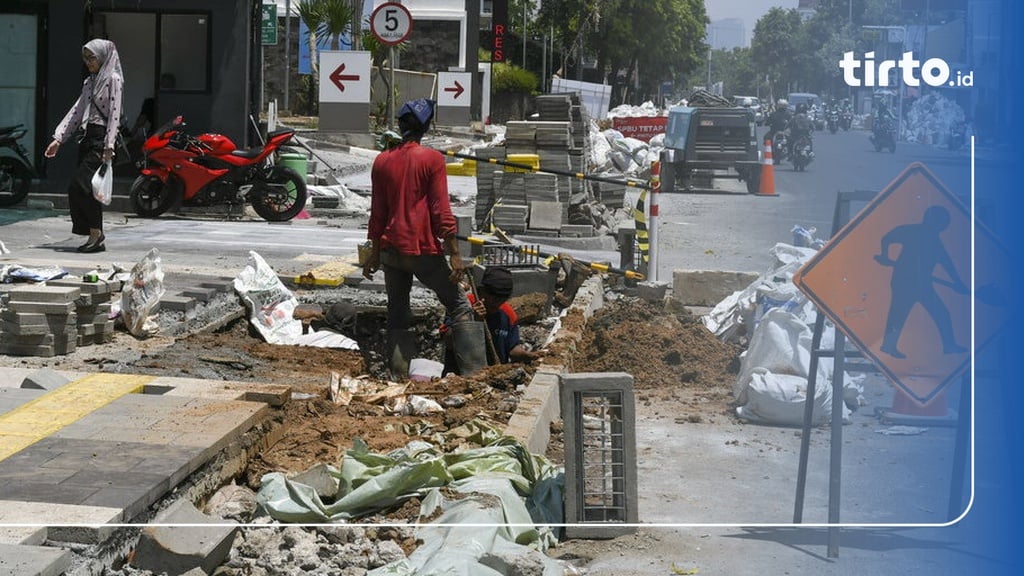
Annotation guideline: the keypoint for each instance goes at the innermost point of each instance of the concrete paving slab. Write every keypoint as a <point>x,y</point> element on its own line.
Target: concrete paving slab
<point>80,524</point>
<point>177,549</point>
<point>23,535</point>
<point>33,561</point>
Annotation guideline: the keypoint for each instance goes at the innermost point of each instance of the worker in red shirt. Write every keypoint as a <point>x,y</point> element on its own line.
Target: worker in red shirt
<point>411,229</point>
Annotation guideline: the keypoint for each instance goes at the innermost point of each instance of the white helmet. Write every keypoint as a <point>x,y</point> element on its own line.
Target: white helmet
<point>748,102</point>
<point>782,102</point>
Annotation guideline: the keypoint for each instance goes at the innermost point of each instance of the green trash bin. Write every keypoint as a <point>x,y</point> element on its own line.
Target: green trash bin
<point>297,162</point>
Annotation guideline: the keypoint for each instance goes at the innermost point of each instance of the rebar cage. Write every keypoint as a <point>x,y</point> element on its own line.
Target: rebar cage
<point>600,448</point>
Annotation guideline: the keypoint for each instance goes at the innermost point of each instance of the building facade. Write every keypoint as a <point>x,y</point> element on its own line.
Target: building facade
<point>194,58</point>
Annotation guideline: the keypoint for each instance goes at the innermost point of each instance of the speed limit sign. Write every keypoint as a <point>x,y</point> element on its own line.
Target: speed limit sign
<point>391,23</point>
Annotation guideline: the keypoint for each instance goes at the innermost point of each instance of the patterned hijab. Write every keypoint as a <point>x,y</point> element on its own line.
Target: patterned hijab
<point>110,63</point>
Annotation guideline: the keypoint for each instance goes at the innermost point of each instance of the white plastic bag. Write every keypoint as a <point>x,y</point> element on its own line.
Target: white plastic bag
<point>141,295</point>
<point>270,303</point>
<point>103,184</point>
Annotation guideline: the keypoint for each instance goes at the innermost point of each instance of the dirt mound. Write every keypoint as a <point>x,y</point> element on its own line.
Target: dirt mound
<point>671,356</point>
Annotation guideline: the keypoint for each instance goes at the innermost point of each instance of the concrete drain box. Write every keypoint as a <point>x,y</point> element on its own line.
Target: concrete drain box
<point>598,414</point>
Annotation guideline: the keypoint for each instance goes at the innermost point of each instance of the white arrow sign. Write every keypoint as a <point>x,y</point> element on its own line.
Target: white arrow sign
<point>345,76</point>
<point>454,89</point>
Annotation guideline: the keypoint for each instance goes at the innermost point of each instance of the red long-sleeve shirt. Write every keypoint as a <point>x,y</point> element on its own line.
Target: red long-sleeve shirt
<point>410,210</point>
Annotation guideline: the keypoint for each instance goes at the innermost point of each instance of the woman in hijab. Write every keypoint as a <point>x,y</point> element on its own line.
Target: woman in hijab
<point>97,112</point>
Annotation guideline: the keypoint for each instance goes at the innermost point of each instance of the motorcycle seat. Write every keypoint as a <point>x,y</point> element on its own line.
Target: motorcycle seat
<point>279,132</point>
<point>9,129</point>
<point>247,154</point>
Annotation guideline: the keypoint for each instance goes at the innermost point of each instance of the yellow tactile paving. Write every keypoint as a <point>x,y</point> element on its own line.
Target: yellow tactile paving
<point>39,418</point>
<point>331,273</point>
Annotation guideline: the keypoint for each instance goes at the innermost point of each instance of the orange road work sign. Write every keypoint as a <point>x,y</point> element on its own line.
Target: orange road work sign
<point>897,281</point>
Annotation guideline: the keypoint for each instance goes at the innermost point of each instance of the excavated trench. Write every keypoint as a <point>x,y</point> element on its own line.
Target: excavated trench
<point>673,358</point>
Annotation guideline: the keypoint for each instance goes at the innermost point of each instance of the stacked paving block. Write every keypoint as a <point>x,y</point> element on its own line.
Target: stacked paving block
<point>94,324</point>
<point>39,321</point>
<point>485,175</point>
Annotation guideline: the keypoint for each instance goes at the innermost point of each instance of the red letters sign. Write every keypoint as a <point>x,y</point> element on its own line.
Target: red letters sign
<point>642,128</point>
<point>499,24</point>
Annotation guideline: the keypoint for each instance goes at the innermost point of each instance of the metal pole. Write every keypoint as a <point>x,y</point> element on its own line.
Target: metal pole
<point>544,66</point>
<point>391,89</point>
<point>524,35</point>
<point>652,219</point>
<point>287,50</point>
<point>899,116</point>
<point>835,472</point>
<point>709,67</point>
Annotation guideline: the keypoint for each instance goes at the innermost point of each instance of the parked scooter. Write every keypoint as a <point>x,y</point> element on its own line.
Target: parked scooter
<point>208,170</point>
<point>803,153</point>
<point>16,172</point>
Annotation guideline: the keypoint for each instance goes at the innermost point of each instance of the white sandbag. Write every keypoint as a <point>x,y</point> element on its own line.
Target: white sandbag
<point>780,344</point>
<point>779,399</point>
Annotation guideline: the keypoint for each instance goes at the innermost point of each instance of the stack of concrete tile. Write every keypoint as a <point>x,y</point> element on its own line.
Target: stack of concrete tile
<point>39,321</point>
<point>485,183</point>
<point>510,187</point>
<point>511,217</point>
<point>94,324</point>
<point>521,137</point>
<point>568,108</point>
<point>611,195</point>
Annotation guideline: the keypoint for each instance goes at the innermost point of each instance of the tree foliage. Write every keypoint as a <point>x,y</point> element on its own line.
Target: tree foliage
<point>637,44</point>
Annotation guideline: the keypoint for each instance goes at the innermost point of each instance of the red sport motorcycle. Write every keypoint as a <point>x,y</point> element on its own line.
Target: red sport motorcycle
<point>209,170</point>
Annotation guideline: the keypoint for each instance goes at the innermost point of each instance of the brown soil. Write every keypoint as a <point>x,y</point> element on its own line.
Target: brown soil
<point>673,358</point>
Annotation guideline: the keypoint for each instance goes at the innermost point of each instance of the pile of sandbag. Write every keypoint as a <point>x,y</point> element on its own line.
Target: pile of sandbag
<point>776,322</point>
<point>930,119</point>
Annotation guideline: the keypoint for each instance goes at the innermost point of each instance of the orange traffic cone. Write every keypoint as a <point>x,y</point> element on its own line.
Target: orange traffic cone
<point>905,410</point>
<point>767,186</point>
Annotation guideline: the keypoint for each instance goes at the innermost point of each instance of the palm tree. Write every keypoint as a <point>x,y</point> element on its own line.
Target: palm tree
<point>337,19</point>
<point>312,15</point>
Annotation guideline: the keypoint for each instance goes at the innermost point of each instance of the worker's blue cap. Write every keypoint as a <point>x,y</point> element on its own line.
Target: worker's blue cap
<point>421,108</point>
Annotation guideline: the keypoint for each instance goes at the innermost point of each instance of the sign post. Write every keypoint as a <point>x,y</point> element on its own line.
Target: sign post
<point>391,24</point>
<point>454,93</point>
<point>344,90</point>
<point>268,29</point>
<point>896,280</point>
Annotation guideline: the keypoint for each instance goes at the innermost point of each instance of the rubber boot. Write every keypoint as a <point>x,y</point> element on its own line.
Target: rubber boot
<point>401,351</point>
<point>469,344</point>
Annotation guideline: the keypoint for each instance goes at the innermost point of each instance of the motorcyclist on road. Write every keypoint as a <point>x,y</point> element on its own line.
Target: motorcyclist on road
<point>800,126</point>
<point>779,120</point>
<point>883,114</point>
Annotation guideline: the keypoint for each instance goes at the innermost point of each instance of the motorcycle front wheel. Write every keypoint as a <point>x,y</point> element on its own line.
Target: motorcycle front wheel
<point>15,181</point>
<point>280,196</point>
<point>150,196</point>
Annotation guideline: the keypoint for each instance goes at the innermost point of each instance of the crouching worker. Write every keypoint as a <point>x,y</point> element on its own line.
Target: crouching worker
<point>502,323</point>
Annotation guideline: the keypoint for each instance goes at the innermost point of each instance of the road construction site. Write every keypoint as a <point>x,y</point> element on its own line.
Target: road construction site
<point>197,418</point>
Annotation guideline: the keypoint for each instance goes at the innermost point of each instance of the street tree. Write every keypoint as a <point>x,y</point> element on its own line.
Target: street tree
<point>776,45</point>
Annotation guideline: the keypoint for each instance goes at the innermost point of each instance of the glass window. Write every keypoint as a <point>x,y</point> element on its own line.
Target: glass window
<point>184,52</point>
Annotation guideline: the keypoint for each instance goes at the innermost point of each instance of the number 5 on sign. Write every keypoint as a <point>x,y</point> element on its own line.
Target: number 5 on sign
<point>391,23</point>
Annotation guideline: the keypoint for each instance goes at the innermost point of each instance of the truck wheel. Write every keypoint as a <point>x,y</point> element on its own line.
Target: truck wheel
<point>753,179</point>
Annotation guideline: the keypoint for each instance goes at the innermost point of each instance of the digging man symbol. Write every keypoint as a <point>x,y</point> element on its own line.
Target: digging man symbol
<point>913,278</point>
